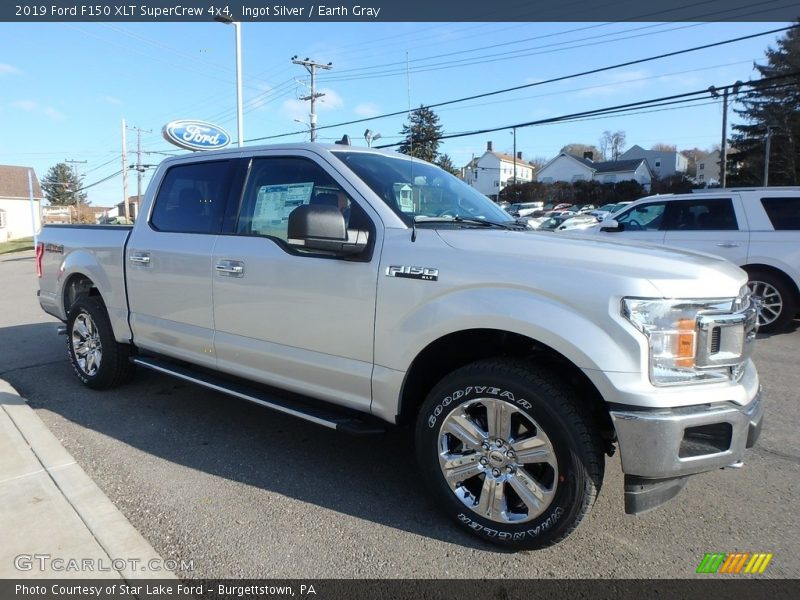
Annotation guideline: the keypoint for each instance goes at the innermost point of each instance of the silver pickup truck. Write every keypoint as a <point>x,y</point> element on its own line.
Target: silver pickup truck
<point>361,289</point>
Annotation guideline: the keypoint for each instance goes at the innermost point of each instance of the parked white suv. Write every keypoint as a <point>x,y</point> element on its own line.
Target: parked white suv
<point>757,229</point>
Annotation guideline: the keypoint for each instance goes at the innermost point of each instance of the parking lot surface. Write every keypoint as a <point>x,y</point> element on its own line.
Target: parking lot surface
<point>234,490</point>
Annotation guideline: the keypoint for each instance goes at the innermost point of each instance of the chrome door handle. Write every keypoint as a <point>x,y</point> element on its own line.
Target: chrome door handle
<point>140,258</point>
<point>727,245</point>
<point>230,268</point>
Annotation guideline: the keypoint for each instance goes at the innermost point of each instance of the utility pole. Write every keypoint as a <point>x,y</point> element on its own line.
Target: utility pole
<point>139,167</point>
<point>723,153</point>
<point>125,172</point>
<point>723,147</point>
<point>312,67</point>
<point>514,133</point>
<point>766,156</point>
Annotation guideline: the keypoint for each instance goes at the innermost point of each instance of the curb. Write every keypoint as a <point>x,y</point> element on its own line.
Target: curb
<point>53,508</point>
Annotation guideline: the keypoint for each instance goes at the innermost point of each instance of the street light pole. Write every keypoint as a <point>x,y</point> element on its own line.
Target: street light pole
<point>239,113</point>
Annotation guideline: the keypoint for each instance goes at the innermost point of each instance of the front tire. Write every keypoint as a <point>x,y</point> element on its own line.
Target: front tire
<point>99,361</point>
<point>507,453</point>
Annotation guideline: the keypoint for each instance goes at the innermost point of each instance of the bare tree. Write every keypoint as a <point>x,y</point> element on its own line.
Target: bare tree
<point>661,147</point>
<point>612,144</point>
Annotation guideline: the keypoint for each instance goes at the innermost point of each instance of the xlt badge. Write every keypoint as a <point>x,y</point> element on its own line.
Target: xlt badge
<point>426,273</point>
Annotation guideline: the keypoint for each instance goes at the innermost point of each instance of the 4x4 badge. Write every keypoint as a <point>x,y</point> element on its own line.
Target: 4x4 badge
<point>426,273</point>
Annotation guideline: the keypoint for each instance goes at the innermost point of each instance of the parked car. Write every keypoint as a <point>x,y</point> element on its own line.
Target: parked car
<point>368,290</point>
<point>523,209</point>
<point>577,223</point>
<point>609,209</point>
<point>757,229</point>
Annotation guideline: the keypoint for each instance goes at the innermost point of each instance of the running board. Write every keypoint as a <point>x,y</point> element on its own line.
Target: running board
<point>318,415</point>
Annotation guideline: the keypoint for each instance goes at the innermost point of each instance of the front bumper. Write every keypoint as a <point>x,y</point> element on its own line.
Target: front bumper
<point>660,447</point>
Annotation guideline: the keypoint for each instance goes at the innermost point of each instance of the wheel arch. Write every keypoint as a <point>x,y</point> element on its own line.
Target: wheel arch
<point>457,349</point>
<point>76,285</point>
<point>777,272</point>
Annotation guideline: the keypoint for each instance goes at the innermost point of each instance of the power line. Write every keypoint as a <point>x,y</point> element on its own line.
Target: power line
<point>544,82</point>
<point>620,108</point>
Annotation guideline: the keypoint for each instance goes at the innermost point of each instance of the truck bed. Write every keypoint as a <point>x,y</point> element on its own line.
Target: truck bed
<point>98,252</point>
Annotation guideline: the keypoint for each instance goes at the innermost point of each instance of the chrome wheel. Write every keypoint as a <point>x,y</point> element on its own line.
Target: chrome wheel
<point>768,301</point>
<point>498,461</point>
<point>86,344</point>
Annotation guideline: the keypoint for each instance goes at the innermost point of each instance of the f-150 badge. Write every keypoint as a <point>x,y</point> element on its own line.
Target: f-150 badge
<point>426,273</point>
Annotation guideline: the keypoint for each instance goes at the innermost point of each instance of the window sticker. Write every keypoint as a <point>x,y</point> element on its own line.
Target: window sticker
<point>275,202</point>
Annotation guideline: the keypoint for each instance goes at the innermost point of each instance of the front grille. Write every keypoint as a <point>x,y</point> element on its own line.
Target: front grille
<point>715,340</point>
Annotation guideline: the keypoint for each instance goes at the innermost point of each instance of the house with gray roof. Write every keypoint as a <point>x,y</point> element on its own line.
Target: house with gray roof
<point>19,218</point>
<point>661,163</point>
<point>570,168</point>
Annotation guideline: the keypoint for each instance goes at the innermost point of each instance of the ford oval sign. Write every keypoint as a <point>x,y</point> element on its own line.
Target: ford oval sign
<point>196,135</point>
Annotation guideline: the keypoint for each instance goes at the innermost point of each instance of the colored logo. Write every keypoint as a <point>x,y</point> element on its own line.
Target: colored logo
<point>736,562</point>
<point>196,135</point>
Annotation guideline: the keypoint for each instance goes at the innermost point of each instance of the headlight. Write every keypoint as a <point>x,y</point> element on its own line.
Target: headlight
<point>671,330</point>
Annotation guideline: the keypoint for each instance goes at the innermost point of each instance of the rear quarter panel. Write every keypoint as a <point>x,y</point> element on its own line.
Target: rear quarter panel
<point>91,251</point>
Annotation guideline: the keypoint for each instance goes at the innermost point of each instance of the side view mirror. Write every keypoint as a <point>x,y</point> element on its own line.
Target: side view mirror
<point>611,225</point>
<point>317,227</point>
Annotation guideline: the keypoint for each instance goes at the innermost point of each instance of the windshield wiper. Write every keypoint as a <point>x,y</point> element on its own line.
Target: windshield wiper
<point>512,225</point>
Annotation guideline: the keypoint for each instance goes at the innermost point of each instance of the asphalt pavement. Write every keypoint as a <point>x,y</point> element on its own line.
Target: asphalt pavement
<point>228,489</point>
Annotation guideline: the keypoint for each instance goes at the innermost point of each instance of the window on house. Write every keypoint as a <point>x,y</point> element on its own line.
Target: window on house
<point>2,219</point>
<point>609,178</point>
<point>658,163</point>
<point>702,177</point>
<point>702,166</point>
<point>579,178</point>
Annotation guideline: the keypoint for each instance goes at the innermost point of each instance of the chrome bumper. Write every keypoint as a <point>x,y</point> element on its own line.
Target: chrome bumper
<point>674,442</point>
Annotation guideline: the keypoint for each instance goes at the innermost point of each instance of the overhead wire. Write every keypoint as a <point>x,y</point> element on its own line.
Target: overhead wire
<point>544,82</point>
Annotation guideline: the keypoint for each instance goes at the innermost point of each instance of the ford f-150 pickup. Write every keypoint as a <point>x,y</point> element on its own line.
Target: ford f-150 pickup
<point>360,289</point>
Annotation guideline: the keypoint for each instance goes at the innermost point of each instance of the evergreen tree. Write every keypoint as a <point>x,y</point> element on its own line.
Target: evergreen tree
<point>772,106</point>
<point>61,187</point>
<point>443,161</point>
<point>422,135</point>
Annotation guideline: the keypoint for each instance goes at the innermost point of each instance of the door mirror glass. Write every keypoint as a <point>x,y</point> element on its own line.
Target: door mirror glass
<point>611,225</point>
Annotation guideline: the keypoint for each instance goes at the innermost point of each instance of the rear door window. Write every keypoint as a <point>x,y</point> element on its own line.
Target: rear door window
<point>192,198</point>
<point>783,213</point>
<point>703,214</point>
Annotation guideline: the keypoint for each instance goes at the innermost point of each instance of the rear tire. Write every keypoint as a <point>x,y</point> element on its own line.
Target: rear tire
<point>99,361</point>
<point>775,300</point>
<point>508,454</point>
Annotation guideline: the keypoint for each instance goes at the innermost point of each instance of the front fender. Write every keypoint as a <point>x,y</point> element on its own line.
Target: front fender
<point>591,338</point>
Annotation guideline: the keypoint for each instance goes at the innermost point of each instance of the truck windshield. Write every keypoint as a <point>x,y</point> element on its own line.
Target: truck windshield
<point>417,190</point>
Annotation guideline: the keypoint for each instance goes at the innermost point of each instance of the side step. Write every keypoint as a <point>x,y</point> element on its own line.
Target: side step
<point>320,416</point>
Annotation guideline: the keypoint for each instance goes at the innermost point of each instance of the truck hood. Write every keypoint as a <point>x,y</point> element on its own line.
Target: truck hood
<point>674,272</point>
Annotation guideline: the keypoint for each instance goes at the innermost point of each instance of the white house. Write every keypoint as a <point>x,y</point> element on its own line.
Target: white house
<point>571,168</point>
<point>17,218</point>
<point>708,169</point>
<point>661,163</point>
<point>493,171</point>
